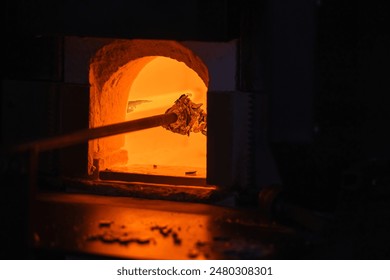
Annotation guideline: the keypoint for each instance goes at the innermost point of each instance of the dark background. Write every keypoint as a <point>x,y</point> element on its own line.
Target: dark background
<point>341,167</point>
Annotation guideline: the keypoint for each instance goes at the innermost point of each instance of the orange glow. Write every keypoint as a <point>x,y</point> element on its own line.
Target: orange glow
<point>133,79</point>
<point>158,151</point>
<point>191,229</point>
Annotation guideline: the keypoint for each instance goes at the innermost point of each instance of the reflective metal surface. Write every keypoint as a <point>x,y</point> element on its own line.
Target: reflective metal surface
<point>122,227</point>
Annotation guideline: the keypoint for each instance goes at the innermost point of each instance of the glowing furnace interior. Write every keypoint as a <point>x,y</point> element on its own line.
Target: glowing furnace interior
<point>144,87</point>
<point>157,86</point>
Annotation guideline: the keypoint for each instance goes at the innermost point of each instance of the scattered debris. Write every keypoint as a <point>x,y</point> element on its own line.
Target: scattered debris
<point>165,231</point>
<point>200,250</point>
<point>191,173</point>
<point>105,223</point>
<point>200,244</point>
<point>120,235</point>
<point>176,238</point>
<point>121,238</point>
<point>193,253</point>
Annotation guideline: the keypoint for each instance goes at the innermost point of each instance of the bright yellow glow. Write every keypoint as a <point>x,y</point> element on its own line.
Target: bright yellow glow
<point>156,87</point>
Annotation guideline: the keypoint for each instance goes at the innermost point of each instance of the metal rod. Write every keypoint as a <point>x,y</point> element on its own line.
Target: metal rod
<point>97,132</point>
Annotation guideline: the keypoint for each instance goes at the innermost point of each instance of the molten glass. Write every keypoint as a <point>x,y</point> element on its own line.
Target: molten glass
<point>191,117</point>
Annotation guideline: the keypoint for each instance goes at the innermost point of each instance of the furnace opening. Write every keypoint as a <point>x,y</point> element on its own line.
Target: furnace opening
<point>158,151</point>
<point>142,85</point>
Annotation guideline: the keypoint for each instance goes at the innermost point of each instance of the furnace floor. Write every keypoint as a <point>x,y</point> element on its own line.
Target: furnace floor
<point>179,171</point>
